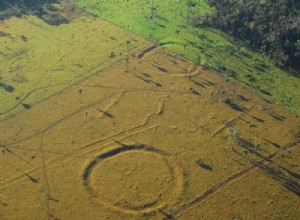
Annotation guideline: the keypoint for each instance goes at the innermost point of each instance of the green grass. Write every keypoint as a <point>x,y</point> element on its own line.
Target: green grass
<point>50,58</point>
<point>205,46</point>
<point>134,15</point>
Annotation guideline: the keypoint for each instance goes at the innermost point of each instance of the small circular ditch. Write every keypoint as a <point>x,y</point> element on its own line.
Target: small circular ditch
<point>134,178</point>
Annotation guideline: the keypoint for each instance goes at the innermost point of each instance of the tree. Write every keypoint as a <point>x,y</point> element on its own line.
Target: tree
<point>190,4</point>
<point>273,26</point>
<point>152,10</point>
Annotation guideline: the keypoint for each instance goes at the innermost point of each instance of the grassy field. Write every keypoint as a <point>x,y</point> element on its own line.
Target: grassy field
<point>100,123</point>
<point>149,139</point>
<point>205,46</point>
<point>38,59</point>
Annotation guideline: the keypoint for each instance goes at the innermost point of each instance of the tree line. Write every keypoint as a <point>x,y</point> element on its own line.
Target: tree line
<point>272,26</point>
<point>10,8</point>
<point>4,4</point>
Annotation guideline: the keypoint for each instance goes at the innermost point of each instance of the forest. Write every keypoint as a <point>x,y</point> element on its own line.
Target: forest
<point>271,26</point>
<point>9,8</point>
<point>10,3</point>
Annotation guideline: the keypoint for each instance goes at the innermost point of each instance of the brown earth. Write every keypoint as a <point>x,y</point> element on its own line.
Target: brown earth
<point>151,138</point>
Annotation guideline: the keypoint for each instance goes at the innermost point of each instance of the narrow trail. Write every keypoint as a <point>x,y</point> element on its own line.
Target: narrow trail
<point>46,184</point>
<point>58,121</point>
<point>227,182</point>
<point>29,94</point>
<point>90,72</point>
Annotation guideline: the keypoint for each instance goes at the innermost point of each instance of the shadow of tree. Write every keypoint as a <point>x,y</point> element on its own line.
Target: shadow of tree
<point>286,177</point>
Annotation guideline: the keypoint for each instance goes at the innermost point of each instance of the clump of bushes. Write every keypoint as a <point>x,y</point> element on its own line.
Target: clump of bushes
<point>6,87</point>
<point>10,12</point>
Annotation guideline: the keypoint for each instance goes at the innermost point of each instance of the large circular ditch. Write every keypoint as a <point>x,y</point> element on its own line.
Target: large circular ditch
<point>134,178</point>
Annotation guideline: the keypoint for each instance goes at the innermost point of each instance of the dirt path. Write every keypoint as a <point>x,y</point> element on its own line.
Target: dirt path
<point>227,182</point>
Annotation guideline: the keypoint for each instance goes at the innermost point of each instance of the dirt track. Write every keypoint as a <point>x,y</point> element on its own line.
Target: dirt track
<point>67,146</point>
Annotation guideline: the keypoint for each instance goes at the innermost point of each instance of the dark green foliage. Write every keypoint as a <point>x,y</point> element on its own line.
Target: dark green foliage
<point>112,55</point>
<point>23,38</point>
<point>272,26</point>
<point>9,8</point>
<point>6,87</point>
<point>9,88</point>
<point>227,100</point>
<point>26,106</point>
<point>4,34</point>
<point>4,4</point>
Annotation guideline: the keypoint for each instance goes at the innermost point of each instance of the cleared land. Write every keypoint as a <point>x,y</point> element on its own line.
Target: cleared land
<point>98,123</point>
<point>153,136</point>
<point>41,56</point>
<point>203,45</point>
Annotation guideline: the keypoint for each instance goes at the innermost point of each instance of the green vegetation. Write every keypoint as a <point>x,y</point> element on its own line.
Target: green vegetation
<point>206,46</point>
<point>136,15</point>
<point>270,26</point>
<point>10,8</point>
<point>38,59</point>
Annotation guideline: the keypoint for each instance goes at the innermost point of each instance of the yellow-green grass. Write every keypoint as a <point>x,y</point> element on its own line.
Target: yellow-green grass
<point>156,141</point>
<point>243,201</point>
<point>38,59</point>
<point>205,46</point>
<point>134,15</point>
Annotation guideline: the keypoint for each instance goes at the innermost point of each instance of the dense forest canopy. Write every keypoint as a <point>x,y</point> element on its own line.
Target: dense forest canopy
<point>9,8</point>
<point>272,26</point>
<point>7,4</point>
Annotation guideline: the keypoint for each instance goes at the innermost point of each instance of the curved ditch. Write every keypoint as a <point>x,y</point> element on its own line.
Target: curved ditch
<point>134,179</point>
